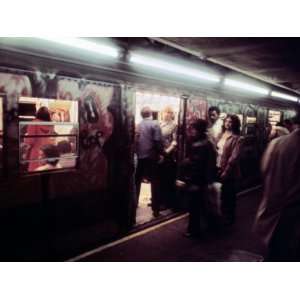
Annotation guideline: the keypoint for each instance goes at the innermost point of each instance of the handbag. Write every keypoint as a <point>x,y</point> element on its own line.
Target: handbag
<point>214,198</point>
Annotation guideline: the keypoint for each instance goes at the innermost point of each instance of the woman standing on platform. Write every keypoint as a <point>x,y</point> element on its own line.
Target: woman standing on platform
<point>229,149</point>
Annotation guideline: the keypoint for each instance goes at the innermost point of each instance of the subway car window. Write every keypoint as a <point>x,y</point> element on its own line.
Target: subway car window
<point>158,103</point>
<point>48,134</point>
<point>251,120</point>
<point>274,117</point>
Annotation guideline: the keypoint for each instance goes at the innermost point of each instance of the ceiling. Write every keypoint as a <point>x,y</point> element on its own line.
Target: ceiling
<point>275,60</point>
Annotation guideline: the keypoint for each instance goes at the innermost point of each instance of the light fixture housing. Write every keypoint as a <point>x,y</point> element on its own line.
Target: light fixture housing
<point>246,86</point>
<point>173,68</point>
<point>284,96</point>
<point>84,44</point>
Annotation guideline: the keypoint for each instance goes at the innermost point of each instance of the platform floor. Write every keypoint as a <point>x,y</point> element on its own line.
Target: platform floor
<point>165,242</point>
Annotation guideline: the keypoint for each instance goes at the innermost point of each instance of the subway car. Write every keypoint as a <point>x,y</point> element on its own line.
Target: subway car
<point>59,201</point>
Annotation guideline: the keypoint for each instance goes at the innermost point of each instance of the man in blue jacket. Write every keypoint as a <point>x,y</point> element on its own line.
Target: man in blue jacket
<point>149,150</point>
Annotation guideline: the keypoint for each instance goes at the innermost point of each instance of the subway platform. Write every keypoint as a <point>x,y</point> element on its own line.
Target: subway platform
<point>165,242</point>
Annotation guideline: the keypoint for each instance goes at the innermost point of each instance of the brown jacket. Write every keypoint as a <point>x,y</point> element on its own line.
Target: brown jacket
<point>281,171</point>
<point>230,157</point>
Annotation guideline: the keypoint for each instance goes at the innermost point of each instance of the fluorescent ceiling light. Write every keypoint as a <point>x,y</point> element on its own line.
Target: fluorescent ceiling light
<point>245,86</point>
<point>86,45</point>
<point>173,68</point>
<point>284,96</point>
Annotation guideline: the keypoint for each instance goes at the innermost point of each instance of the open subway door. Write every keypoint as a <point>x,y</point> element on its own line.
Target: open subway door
<point>163,106</point>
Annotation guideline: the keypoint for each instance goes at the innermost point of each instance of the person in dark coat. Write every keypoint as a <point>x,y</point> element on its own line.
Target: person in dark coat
<point>197,171</point>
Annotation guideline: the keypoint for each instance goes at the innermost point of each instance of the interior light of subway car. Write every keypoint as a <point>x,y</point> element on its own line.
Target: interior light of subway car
<point>173,68</point>
<point>246,86</point>
<point>284,96</point>
<point>80,43</point>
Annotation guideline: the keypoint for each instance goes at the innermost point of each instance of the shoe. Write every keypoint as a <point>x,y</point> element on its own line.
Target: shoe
<point>193,235</point>
<point>156,214</point>
<point>187,234</point>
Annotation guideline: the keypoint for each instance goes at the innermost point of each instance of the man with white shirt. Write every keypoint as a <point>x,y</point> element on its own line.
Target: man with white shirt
<point>215,128</point>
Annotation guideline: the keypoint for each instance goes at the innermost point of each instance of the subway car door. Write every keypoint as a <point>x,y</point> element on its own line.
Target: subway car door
<point>249,160</point>
<point>191,109</point>
<point>159,104</point>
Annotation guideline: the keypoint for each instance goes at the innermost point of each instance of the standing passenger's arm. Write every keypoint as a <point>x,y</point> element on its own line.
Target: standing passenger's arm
<point>211,166</point>
<point>157,139</point>
<point>234,157</point>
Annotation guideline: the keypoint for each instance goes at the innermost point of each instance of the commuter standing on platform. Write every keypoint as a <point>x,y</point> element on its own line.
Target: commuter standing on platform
<point>229,149</point>
<point>149,150</point>
<point>215,124</point>
<point>277,131</point>
<point>277,221</point>
<point>197,171</point>
<point>287,123</point>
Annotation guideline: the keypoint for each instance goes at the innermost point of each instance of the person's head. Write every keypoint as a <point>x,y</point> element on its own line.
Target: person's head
<point>287,123</point>
<point>43,114</point>
<point>168,114</point>
<point>279,124</point>
<point>146,112</point>
<point>55,117</point>
<point>213,113</point>
<point>232,123</point>
<point>198,129</point>
<point>278,131</point>
<point>268,128</point>
<point>296,120</point>
<point>51,153</point>
<point>64,147</point>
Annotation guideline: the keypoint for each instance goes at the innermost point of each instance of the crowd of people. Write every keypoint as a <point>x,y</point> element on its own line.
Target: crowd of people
<point>155,149</point>
<point>211,162</point>
<point>42,149</point>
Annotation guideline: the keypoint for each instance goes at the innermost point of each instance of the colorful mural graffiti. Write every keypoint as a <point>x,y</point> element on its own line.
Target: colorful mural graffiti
<point>96,127</point>
<point>196,109</point>
<point>14,85</point>
<point>99,107</point>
